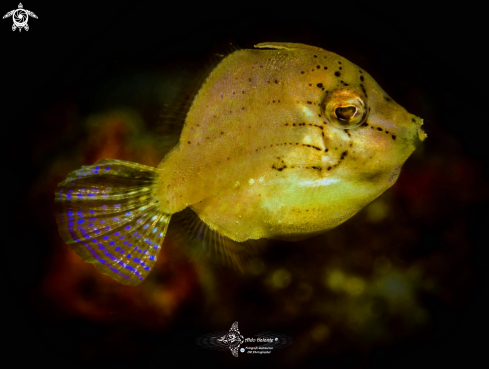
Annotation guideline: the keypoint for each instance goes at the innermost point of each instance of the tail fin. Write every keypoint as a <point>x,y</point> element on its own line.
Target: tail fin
<point>109,214</point>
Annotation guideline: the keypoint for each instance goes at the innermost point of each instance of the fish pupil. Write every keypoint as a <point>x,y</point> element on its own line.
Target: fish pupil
<point>345,113</point>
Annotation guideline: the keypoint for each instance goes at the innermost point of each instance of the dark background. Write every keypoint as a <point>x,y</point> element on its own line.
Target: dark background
<point>57,74</point>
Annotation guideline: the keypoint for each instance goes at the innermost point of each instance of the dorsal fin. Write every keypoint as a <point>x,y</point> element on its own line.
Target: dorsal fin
<point>286,46</point>
<point>184,87</point>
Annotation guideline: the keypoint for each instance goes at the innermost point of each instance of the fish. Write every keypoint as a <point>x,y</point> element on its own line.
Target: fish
<point>283,141</point>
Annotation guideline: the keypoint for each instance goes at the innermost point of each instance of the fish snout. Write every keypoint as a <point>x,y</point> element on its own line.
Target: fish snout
<point>421,134</point>
<point>418,135</point>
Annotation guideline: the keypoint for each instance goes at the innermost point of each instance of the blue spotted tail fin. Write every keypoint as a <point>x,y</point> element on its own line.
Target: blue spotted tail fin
<point>110,216</point>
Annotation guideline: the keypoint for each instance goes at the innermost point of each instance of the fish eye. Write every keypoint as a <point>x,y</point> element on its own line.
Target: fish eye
<point>344,108</point>
<point>345,113</point>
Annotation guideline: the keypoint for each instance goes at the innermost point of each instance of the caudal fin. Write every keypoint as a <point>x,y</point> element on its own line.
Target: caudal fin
<point>109,214</point>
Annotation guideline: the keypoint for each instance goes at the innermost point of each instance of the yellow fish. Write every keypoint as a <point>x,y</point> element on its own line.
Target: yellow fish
<point>283,141</point>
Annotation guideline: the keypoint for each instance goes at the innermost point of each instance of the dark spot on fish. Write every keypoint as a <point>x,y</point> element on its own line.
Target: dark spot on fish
<point>379,129</point>
<point>315,56</point>
<point>249,79</point>
<point>339,62</point>
<point>318,66</point>
<point>320,85</point>
<point>360,71</point>
<point>361,78</point>
<point>393,137</point>
<point>348,133</point>
<point>319,115</point>
<point>325,68</point>
<point>413,120</point>
<point>337,74</point>
<point>343,154</point>
<point>341,68</point>
<point>273,101</point>
<point>188,142</point>
<point>293,124</point>
<point>329,168</point>
<point>222,133</point>
<point>325,150</point>
<point>243,108</point>
<point>302,72</point>
<point>276,81</point>
<point>242,91</point>
<point>309,102</point>
<point>310,84</point>
<point>261,66</point>
<point>387,98</point>
<point>364,125</point>
<point>228,158</point>
<point>386,132</point>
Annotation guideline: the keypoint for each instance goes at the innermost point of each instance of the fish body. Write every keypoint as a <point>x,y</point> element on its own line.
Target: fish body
<point>283,141</point>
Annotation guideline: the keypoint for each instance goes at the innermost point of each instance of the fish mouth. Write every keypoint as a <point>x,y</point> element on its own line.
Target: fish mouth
<point>421,134</point>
